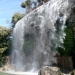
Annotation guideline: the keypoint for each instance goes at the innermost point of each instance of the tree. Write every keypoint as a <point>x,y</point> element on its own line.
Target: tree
<point>4,38</point>
<point>4,41</point>
<point>28,5</point>
<point>16,17</point>
<point>40,1</point>
<point>68,41</point>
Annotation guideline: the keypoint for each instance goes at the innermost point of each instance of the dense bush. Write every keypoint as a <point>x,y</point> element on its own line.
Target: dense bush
<point>28,44</point>
<point>4,41</point>
<point>16,17</point>
<point>1,60</point>
<point>4,38</point>
<point>68,41</point>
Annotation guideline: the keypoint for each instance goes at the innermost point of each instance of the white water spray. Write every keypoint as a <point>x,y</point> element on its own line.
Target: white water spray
<point>44,27</point>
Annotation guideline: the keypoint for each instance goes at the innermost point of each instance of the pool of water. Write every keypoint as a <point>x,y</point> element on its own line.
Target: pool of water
<point>17,73</point>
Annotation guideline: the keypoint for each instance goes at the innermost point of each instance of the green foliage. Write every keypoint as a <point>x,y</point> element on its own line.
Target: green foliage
<point>1,60</point>
<point>26,3</point>
<point>4,41</point>
<point>4,38</point>
<point>16,17</point>
<point>23,5</point>
<point>40,1</point>
<point>3,49</point>
<point>28,45</point>
<point>68,42</point>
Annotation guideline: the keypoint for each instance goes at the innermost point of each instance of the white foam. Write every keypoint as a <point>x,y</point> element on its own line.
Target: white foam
<point>22,73</point>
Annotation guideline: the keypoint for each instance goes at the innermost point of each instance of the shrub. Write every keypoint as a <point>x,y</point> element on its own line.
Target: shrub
<point>68,41</point>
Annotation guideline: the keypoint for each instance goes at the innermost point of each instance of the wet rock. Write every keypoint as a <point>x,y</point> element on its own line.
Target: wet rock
<point>37,27</point>
<point>50,71</point>
<point>33,23</point>
<point>7,67</point>
<point>1,69</point>
<point>6,60</point>
<point>73,72</point>
<point>54,71</point>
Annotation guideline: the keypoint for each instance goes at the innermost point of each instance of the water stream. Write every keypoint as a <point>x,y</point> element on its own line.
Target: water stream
<point>39,33</point>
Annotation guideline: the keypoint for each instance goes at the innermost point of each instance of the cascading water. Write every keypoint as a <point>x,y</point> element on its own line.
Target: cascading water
<point>39,33</point>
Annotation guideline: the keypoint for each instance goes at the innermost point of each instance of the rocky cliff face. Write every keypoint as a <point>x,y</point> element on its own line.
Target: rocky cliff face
<point>54,71</point>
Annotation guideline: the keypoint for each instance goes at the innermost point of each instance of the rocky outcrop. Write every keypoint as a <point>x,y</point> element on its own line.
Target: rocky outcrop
<point>54,71</point>
<point>7,67</point>
<point>6,60</point>
<point>65,62</point>
<point>50,71</point>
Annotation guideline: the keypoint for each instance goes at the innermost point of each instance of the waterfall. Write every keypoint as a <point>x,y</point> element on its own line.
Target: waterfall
<point>38,34</point>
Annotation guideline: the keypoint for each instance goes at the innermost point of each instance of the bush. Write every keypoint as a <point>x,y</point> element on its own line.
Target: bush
<point>28,44</point>
<point>1,60</point>
<point>68,41</point>
<point>16,17</point>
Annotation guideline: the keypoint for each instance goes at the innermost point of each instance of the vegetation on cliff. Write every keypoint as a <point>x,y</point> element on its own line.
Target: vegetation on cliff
<point>16,17</point>
<point>68,41</point>
<point>4,41</point>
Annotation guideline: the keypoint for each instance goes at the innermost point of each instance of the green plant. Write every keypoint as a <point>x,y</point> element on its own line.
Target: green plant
<point>4,39</point>
<point>1,60</point>
<point>28,44</point>
<point>16,17</point>
<point>68,41</point>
